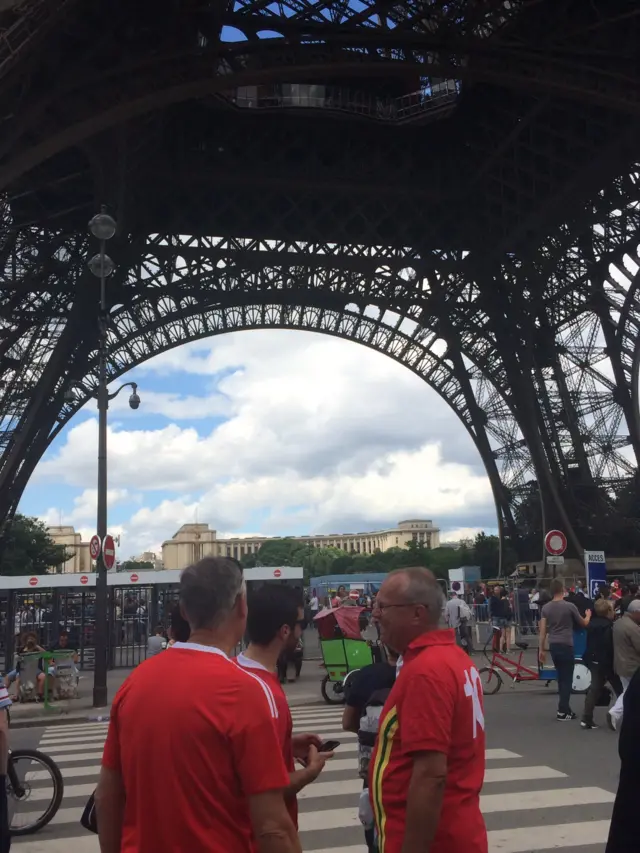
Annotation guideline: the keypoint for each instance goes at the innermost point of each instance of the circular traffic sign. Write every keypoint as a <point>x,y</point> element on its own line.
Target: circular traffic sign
<point>33,581</point>
<point>354,595</point>
<point>109,552</point>
<point>555,542</point>
<point>84,579</point>
<point>134,578</point>
<point>277,573</point>
<point>94,547</point>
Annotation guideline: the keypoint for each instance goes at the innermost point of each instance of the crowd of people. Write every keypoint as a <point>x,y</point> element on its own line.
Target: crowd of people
<point>226,729</point>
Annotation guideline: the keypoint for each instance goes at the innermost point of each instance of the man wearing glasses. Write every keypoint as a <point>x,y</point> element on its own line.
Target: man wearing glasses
<point>428,765</point>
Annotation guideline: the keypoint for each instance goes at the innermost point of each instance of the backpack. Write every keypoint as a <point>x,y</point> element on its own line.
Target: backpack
<point>464,611</point>
<point>369,725</point>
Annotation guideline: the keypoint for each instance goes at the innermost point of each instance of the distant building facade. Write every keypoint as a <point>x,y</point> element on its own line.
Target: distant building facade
<point>76,551</point>
<point>195,541</point>
<point>149,557</point>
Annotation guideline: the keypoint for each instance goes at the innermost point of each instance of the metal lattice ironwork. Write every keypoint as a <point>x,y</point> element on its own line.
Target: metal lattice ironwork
<point>452,184</point>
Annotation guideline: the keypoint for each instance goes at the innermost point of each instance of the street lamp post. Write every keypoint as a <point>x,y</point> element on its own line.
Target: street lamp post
<point>103,227</point>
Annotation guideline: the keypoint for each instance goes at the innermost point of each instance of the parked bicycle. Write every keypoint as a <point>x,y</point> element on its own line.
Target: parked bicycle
<point>31,805</point>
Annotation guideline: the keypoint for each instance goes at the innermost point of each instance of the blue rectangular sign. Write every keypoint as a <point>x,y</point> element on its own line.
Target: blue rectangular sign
<point>596,569</point>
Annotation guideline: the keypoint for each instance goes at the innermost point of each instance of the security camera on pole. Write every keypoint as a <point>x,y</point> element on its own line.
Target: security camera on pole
<point>103,227</point>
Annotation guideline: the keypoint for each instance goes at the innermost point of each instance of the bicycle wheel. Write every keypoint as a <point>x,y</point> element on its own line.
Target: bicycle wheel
<point>332,691</point>
<point>490,679</point>
<point>581,678</point>
<point>31,803</point>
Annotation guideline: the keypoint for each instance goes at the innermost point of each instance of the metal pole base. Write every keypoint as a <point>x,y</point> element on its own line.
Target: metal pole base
<point>99,697</point>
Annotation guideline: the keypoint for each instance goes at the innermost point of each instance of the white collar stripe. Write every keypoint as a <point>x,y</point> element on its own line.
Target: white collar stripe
<point>197,647</point>
<point>249,663</point>
<point>267,692</point>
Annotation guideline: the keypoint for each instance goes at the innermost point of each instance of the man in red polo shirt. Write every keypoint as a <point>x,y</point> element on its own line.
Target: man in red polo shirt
<point>428,765</point>
<point>192,760</point>
<point>274,626</point>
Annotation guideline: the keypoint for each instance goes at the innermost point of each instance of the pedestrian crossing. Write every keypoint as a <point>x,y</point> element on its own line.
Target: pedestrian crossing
<point>527,807</point>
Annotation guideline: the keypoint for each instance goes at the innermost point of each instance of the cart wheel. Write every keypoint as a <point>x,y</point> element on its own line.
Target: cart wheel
<point>332,691</point>
<point>581,678</point>
<point>490,679</point>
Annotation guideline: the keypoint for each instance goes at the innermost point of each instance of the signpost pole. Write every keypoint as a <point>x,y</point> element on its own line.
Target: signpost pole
<point>100,669</point>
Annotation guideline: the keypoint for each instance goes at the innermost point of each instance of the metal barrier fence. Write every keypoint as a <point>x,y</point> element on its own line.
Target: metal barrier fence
<point>134,613</point>
<point>137,603</point>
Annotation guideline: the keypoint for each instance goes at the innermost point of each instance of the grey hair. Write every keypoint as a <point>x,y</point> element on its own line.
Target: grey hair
<point>423,588</point>
<point>208,591</point>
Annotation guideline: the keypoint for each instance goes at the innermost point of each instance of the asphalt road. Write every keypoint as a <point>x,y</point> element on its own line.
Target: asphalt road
<point>549,785</point>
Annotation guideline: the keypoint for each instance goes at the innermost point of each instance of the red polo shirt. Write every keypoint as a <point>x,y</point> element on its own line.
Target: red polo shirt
<point>434,706</point>
<point>192,756</point>
<point>283,722</point>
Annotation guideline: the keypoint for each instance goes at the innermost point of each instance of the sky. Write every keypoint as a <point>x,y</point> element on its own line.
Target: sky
<point>267,432</point>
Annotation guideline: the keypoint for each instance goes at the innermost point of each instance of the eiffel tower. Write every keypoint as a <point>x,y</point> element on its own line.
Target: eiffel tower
<point>454,184</point>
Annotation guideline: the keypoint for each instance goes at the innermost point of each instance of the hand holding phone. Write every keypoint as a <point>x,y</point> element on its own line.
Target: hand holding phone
<point>329,746</point>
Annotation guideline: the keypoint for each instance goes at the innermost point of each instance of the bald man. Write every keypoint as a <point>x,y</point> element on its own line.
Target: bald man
<point>428,766</point>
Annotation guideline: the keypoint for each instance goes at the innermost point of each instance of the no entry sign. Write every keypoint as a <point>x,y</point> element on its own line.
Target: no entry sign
<point>555,542</point>
<point>109,552</point>
<point>84,580</point>
<point>277,573</point>
<point>94,547</point>
<point>33,581</point>
<point>134,578</point>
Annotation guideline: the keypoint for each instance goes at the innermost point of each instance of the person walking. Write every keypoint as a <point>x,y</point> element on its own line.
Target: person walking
<point>428,765</point>
<point>559,619</point>
<point>623,832</point>
<point>598,657</point>
<point>626,655</point>
<point>274,626</point>
<point>203,771</point>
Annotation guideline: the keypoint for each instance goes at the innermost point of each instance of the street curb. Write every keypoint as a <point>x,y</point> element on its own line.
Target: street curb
<point>59,720</point>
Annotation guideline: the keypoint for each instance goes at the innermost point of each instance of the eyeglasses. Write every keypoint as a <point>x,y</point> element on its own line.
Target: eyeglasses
<point>383,607</point>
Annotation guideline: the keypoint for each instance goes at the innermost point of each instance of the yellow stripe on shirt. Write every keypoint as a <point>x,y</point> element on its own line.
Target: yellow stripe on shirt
<point>386,734</point>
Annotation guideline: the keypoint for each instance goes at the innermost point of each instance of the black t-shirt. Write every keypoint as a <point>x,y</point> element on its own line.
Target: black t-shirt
<point>364,683</point>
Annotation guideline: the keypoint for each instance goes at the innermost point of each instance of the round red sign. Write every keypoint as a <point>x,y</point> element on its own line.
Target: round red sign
<point>134,578</point>
<point>84,579</point>
<point>33,581</point>
<point>94,547</point>
<point>277,573</point>
<point>555,542</point>
<point>109,552</point>
<point>354,595</point>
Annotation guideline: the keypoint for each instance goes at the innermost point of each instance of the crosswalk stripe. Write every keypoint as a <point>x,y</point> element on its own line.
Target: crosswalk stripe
<point>76,739</point>
<point>521,774</point>
<point>69,773</point>
<point>70,791</point>
<point>54,751</point>
<point>81,727</point>
<point>555,798</point>
<point>74,757</point>
<point>85,843</point>
<point>548,837</point>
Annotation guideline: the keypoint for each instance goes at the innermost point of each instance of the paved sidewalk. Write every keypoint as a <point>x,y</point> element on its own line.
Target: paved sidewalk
<point>303,692</point>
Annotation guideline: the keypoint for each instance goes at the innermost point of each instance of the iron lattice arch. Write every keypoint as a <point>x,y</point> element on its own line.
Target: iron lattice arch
<point>451,183</point>
<point>419,310</point>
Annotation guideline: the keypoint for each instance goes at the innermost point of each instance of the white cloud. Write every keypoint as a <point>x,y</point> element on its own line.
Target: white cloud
<point>85,506</point>
<point>459,533</point>
<point>320,436</point>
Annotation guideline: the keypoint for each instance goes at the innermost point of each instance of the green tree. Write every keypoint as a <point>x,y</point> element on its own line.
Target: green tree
<point>29,549</point>
<point>135,565</point>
